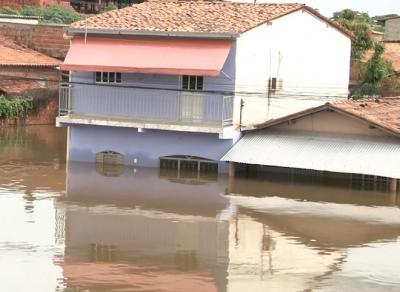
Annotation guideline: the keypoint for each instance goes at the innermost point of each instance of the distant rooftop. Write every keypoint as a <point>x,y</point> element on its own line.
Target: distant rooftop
<point>195,17</point>
<point>12,54</point>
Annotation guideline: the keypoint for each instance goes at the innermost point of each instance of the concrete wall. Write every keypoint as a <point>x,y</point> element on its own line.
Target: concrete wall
<point>45,38</point>
<point>310,57</point>
<point>332,123</point>
<point>144,148</point>
<point>392,29</point>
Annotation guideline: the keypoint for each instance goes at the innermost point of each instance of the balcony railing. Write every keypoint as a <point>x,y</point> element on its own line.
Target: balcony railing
<point>146,105</point>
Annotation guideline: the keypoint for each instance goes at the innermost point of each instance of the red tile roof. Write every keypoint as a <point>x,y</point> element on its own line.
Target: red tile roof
<point>195,16</point>
<point>382,112</point>
<point>12,54</point>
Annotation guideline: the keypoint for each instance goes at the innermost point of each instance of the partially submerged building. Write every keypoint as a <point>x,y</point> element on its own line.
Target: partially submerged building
<point>359,139</point>
<point>172,83</point>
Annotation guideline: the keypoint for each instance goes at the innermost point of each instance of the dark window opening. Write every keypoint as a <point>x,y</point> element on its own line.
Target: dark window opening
<point>192,82</point>
<point>108,77</point>
<point>188,167</point>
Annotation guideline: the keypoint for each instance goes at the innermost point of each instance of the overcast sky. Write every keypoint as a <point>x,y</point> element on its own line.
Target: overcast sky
<point>327,7</point>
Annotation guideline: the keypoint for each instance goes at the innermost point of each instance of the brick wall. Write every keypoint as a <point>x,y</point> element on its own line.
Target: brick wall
<point>45,38</point>
<point>18,4</point>
<point>392,30</point>
<point>44,112</point>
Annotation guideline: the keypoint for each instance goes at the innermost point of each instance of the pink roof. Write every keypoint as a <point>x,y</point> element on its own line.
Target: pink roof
<point>152,56</point>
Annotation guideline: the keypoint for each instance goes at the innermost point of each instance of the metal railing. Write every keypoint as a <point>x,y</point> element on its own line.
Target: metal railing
<point>145,104</point>
<point>64,99</point>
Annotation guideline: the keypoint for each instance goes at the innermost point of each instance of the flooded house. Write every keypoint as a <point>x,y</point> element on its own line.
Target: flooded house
<point>354,142</point>
<point>171,83</point>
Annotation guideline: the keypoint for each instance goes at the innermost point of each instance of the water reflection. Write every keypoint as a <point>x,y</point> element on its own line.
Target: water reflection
<point>84,227</point>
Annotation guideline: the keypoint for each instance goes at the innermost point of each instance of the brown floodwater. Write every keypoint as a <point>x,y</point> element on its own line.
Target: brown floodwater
<point>79,227</point>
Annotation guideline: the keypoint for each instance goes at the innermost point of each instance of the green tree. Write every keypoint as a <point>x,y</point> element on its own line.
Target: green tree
<point>375,72</point>
<point>360,24</point>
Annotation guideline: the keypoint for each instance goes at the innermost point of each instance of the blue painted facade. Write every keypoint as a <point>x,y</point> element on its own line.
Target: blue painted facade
<point>160,100</point>
<point>144,149</point>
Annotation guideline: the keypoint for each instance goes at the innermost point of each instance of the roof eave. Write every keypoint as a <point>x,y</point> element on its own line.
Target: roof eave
<point>327,106</point>
<point>144,33</point>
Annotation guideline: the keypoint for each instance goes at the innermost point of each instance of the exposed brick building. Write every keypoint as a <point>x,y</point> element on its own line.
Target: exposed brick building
<point>94,6</point>
<point>23,69</point>
<point>18,4</point>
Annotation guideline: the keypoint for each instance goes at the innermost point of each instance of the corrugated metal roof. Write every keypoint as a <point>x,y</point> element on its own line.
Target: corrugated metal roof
<point>373,156</point>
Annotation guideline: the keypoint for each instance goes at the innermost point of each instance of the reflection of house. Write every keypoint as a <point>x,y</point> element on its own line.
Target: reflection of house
<point>127,231</point>
<point>140,229</point>
<point>25,70</point>
<point>159,79</point>
<point>360,138</point>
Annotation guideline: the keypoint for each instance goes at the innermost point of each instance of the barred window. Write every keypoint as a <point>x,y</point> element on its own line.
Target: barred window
<point>192,82</point>
<point>108,77</point>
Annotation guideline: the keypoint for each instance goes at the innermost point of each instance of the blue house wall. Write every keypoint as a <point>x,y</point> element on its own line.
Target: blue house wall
<point>146,148</point>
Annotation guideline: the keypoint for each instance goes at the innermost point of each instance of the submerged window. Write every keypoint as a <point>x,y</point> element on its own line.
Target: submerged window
<point>192,82</point>
<point>370,182</point>
<point>109,157</point>
<point>108,77</point>
<point>188,167</point>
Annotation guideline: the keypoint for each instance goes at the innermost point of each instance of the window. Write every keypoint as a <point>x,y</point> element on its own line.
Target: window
<point>109,157</point>
<point>192,82</point>
<point>189,167</point>
<point>108,77</point>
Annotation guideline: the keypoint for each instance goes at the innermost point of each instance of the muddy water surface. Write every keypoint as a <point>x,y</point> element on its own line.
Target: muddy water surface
<point>86,228</point>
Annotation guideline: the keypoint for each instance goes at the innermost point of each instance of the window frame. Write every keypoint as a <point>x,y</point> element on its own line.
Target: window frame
<point>105,77</point>
<point>189,80</point>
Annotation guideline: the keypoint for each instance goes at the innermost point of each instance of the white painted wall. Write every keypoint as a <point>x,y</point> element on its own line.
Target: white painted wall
<point>311,57</point>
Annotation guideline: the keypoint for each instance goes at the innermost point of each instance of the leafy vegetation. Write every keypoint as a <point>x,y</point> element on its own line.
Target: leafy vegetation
<point>375,72</point>
<point>16,107</point>
<point>51,14</point>
<point>8,10</point>
<point>360,24</point>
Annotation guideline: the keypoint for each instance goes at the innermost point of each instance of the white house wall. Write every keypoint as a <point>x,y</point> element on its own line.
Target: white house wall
<point>311,58</point>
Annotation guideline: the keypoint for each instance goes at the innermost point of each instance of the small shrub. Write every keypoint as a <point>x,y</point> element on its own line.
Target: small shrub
<point>31,11</point>
<point>59,15</point>
<point>8,10</point>
<point>52,14</point>
<point>16,107</point>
